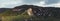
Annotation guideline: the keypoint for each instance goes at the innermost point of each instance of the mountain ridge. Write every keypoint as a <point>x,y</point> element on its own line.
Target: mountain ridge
<point>40,11</point>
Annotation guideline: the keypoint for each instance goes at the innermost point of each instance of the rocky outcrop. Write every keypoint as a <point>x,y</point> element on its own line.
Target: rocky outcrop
<point>29,11</point>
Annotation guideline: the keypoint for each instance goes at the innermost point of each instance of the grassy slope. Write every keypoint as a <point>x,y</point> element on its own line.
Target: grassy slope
<point>8,15</point>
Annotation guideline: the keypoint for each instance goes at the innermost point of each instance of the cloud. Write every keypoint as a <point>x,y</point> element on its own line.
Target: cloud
<point>51,1</point>
<point>41,3</point>
<point>54,5</point>
<point>11,3</point>
<point>31,1</point>
<point>44,3</point>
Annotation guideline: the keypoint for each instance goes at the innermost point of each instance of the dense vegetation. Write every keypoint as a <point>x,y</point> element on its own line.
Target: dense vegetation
<point>23,16</point>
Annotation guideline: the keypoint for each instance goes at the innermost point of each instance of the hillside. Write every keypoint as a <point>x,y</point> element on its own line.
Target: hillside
<point>40,13</point>
<point>3,9</point>
<point>43,11</point>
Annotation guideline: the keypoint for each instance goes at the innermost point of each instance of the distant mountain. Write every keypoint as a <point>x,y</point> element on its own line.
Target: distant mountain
<point>3,9</point>
<point>20,13</point>
<point>40,11</point>
<point>37,10</point>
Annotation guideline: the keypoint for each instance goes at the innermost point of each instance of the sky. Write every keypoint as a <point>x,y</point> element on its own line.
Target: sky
<point>44,3</point>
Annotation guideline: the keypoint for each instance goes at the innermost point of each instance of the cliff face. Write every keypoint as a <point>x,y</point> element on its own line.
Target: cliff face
<point>29,11</point>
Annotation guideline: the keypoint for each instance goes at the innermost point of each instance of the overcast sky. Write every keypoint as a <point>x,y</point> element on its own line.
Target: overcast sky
<point>44,3</point>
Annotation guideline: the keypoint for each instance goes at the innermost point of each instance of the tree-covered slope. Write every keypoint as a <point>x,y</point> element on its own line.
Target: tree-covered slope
<point>41,13</point>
